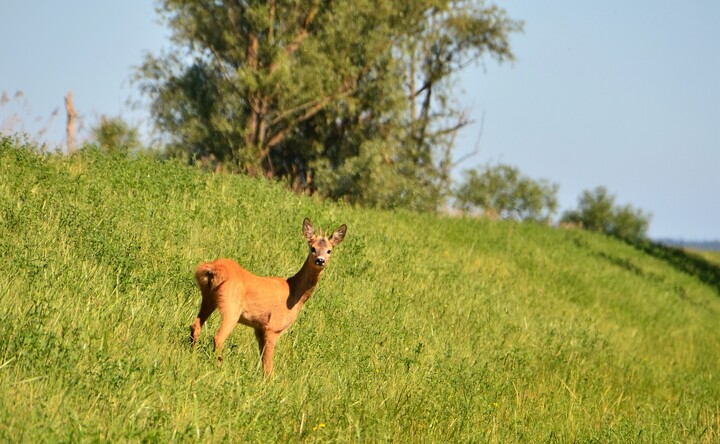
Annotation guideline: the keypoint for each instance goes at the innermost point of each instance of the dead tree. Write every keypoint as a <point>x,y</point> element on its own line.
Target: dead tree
<point>70,128</point>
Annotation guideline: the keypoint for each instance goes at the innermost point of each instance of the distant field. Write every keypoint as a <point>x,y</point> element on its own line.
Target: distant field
<point>710,256</point>
<point>423,329</point>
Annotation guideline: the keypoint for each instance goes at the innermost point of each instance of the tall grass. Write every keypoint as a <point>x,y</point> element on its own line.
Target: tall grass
<point>424,328</point>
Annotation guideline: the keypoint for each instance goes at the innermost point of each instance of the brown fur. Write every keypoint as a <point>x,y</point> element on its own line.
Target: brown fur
<point>267,304</point>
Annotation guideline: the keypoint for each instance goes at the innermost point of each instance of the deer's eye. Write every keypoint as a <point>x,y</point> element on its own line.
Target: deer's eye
<point>313,250</point>
<point>329,251</point>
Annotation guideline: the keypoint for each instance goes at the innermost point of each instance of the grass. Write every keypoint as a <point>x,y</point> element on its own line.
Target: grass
<point>424,328</point>
<point>712,257</point>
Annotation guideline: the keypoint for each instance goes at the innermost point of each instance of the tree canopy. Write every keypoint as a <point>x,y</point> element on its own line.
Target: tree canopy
<point>349,99</point>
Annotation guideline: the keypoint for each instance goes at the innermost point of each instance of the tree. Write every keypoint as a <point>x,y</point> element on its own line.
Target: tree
<point>443,42</point>
<point>115,135</point>
<point>293,90</point>
<point>502,191</point>
<point>630,223</point>
<point>597,212</point>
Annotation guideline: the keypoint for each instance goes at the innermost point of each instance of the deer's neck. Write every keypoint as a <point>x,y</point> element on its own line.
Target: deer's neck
<point>303,284</point>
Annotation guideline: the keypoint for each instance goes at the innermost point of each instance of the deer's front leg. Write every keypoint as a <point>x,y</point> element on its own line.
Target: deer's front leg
<point>266,342</point>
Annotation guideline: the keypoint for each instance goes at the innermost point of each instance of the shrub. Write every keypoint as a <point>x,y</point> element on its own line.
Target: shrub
<point>597,212</point>
<point>502,191</point>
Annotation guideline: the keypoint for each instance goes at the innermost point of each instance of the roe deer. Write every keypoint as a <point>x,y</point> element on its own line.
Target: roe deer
<point>268,304</point>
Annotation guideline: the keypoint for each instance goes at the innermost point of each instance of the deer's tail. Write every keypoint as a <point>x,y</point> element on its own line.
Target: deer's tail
<point>209,276</point>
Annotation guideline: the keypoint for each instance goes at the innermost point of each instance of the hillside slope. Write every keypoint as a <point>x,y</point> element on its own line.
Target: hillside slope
<point>423,327</point>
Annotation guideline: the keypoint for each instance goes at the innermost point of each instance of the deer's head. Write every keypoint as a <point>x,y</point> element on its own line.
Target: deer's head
<point>321,246</point>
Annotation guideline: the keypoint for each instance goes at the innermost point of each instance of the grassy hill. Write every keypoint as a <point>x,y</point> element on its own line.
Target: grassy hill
<point>712,257</point>
<point>424,328</point>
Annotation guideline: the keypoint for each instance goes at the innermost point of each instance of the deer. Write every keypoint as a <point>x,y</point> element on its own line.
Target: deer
<point>269,305</point>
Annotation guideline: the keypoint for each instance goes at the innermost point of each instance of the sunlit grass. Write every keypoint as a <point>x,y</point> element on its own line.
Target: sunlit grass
<point>424,328</point>
<point>710,256</point>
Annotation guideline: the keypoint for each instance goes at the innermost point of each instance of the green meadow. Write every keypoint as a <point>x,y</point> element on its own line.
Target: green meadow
<point>424,328</point>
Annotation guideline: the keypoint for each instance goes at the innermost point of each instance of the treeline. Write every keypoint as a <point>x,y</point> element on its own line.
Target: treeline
<point>350,101</point>
<point>502,191</point>
<point>494,191</point>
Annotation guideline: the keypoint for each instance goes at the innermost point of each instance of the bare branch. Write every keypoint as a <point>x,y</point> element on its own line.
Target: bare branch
<point>476,149</point>
<point>462,122</point>
<point>425,86</point>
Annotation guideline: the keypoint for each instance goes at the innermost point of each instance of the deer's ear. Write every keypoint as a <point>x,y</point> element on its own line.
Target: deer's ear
<point>308,230</point>
<point>338,235</point>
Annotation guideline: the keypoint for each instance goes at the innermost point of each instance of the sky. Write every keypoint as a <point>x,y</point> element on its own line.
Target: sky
<point>620,94</point>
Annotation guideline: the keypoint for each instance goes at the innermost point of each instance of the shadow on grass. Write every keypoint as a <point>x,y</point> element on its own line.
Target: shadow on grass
<point>689,263</point>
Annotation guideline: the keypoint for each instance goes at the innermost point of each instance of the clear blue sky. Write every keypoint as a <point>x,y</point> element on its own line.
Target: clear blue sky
<point>616,93</point>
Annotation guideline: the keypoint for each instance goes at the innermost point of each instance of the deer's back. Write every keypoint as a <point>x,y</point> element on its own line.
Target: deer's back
<point>258,298</point>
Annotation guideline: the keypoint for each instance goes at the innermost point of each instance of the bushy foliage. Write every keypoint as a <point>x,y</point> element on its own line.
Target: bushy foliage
<point>371,179</point>
<point>502,191</point>
<point>115,135</point>
<point>597,211</point>
<point>298,90</point>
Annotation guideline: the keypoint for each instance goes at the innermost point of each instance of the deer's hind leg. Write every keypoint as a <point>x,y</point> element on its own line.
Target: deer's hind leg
<point>207,306</point>
<point>230,316</point>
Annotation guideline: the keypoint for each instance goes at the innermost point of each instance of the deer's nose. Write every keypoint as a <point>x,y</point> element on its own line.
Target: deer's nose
<point>320,261</point>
